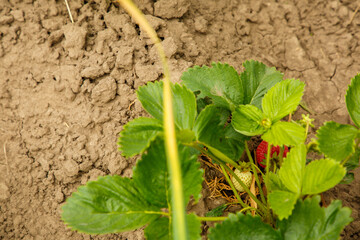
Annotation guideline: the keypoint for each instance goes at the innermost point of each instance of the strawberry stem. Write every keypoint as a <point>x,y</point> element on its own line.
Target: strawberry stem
<point>255,173</point>
<point>281,155</point>
<point>211,219</point>
<point>306,130</point>
<point>258,169</point>
<point>267,184</point>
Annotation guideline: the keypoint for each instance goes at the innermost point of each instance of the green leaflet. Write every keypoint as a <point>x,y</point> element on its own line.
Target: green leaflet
<point>310,221</point>
<point>353,161</point>
<point>337,141</point>
<point>257,80</point>
<point>284,133</point>
<point>210,130</point>
<point>201,103</point>
<point>349,178</point>
<point>321,175</point>
<point>275,183</point>
<point>282,202</point>
<point>110,204</point>
<point>217,212</point>
<point>288,182</point>
<point>351,164</point>
<point>226,88</point>
<point>296,179</point>
<point>246,120</point>
<point>292,170</point>
<point>116,204</point>
<point>137,135</point>
<point>278,102</point>
<point>151,174</point>
<point>282,99</point>
<point>242,226</point>
<point>352,99</point>
<point>184,103</point>
<point>221,83</point>
<point>151,98</point>
<point>159,229</point>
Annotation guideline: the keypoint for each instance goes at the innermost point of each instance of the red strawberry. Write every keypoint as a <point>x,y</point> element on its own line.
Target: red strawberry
<point>261,152</point>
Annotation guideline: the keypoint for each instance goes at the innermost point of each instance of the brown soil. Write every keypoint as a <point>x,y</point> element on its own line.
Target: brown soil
<point>67,89</point>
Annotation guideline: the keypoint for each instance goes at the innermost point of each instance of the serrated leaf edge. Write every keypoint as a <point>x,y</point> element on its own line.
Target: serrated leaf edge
<point>267,69</point>
<point>356,78</point>
<point>121,135</point>
<point>319,133</point>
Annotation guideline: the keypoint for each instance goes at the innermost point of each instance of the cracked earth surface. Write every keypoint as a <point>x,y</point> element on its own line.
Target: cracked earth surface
<point>67,89</point>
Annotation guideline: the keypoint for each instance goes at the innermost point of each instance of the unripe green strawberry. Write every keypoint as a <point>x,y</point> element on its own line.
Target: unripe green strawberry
<point>245,177</point>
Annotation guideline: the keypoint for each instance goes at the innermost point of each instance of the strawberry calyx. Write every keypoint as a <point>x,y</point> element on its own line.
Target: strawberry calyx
<point>245,166</point>
<point>266,123</point>
<point>261,153</point>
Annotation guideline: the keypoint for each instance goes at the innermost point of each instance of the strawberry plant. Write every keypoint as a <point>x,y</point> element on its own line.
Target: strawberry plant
<point>221,130</point>
<point>216,112</point>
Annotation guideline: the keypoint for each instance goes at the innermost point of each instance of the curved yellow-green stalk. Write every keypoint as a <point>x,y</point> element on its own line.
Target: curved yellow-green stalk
<point>178,212</point>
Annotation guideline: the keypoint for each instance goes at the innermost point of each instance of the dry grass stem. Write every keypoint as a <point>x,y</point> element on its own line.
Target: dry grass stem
<point>131,104</point>
<point>6,160</point>
<point>353,16</point>
<point>68,9</point>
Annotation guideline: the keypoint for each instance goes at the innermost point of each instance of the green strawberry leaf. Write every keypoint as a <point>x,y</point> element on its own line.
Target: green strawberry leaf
<point>257,80</point>
<point>137,135</point>
<point>353,161</point>
<point>220,82</point>
<point>184,103</point>
<point>159,229</point>
<point>349,178</point>
<point>337,141</point>
<point>282,99</point>
<point>351,164</point>
<point>110,204</point>
<point>185,136</point>
<point>151,173</point>
<point>242,226</point>
<point>211,130</point>
<point>292,170</point>
<point>282,202</point>
<point>201,103</point>
<point>284,133</point>
<point>217,212</point>
<point>352,99</point>
<point>321,175</point>
<point>275,183</point>
<point>151,98</point>
<point>116,204</point>
<point>288,182</point>
<point>246,120</point>
<point>310,221</point>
